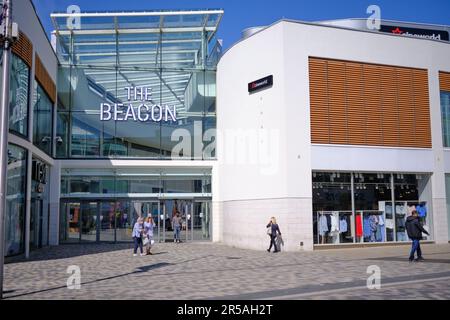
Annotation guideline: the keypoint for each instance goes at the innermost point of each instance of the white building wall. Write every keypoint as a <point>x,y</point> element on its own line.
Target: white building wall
<point>283,50</point>
<point>269,175</point>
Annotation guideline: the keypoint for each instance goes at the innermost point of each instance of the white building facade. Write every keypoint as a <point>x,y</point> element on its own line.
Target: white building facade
<point>296,180</point>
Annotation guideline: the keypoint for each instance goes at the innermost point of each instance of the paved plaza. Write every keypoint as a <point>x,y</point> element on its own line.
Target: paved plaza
<point>213,271</point>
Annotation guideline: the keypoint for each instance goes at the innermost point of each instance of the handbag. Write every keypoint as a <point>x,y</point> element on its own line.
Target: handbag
<point>146,241</point>
<point>269,231</point>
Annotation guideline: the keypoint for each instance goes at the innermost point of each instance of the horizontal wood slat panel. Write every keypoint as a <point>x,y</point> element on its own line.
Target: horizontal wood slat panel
<point>337,103</point>
<point>319,102</point>
<point>406,108</point>
<point>389,107</point>
<point>355,108</point>
<point>44,79</point>
<point>422,101</point>
<point>444,81</point>
<point>372,100</point>
<point>367,104</point>
<point>23,48</point>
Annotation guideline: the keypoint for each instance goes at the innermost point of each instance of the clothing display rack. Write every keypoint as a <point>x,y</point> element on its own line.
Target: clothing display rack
<point>334,226</point>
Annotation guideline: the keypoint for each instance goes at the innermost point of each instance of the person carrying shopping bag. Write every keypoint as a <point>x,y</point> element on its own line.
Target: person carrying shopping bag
<point>273,230</point>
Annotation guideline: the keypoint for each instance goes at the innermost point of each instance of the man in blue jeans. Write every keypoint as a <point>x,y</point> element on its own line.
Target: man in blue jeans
<point>415,230</point>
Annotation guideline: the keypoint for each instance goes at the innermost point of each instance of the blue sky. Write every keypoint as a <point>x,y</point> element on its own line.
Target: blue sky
<point>240,14</point>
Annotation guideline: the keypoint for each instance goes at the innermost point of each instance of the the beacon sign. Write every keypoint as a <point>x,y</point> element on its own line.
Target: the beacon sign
<point>143,110</point>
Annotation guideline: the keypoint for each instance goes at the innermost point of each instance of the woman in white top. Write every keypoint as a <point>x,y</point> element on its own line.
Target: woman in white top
<point>148,233</point>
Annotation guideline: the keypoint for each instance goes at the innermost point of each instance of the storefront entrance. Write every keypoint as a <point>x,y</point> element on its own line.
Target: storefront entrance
<point>85,220</point>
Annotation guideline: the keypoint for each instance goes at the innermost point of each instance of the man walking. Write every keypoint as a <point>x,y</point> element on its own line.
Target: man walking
<point>415,230</point>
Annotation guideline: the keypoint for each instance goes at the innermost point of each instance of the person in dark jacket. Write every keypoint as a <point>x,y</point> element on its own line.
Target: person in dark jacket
<point>415,230</point>
<point>275,231</point>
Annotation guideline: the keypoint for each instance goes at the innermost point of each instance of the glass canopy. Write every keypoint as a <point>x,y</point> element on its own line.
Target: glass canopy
<point>163,39</point>
<point>174,53</point>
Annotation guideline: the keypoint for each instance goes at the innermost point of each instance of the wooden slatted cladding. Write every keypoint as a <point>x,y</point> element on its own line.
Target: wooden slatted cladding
<point>23,49</point>
<point>320,122</point>
<point>444,81</point>
<point>366,104</point>
<point>44,79</point>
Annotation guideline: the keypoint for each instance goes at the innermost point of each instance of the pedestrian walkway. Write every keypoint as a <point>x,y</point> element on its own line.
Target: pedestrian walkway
<point>215,271</point>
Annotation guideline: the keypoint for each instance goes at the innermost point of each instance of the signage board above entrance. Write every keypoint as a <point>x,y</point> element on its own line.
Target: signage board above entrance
<point>143,110</point>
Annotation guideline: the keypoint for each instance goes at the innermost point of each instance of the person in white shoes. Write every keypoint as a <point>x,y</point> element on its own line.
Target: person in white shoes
<point>138,230</point>
<point>176,226</point>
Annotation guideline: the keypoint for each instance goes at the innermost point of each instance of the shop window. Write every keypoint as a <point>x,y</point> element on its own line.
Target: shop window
<point>373,203</point>
<point>382,202</point>
<point>445,115</point>
<point>332,205</point>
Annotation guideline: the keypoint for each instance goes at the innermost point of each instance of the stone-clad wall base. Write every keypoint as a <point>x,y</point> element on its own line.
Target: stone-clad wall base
<point>244,223</point>
<point>440,220</point>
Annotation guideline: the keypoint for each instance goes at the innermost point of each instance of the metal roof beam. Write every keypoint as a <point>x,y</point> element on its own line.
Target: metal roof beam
<point>136,31</point>
<point>124,43</point>
<point>133,53</point>
<point>135,14</point>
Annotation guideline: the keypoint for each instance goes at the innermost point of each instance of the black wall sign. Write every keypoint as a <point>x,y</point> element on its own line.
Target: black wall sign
<point>415,32</point>
<point>260,84</point>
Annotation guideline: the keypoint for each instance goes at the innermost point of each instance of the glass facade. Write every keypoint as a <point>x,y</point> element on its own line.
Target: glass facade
<point>368,207</point>
<point>39,210</point>
<point>15,200</point>
<point>115,87</point>
<point>42,119</point>
<point>18,95</point>
<point>445,115</point>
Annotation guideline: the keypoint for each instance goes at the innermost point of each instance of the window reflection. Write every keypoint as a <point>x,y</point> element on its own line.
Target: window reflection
<point>42,120</point>
<point>18,93</point>
<point>15,200</point>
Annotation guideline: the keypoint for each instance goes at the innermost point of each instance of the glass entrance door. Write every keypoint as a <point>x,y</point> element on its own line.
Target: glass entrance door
<point>169,209</point>
<point>107,221</point>
<point>89,223</point>
<point>195,220</point>
<point>113,220</point>
<point>201,221</point>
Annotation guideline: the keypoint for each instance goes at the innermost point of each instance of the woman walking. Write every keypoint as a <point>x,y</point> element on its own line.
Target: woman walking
<point>148,233</point>
<point>273,233</point>
<point>137,236</point>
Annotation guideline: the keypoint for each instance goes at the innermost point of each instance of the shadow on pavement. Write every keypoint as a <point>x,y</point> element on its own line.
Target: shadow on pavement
<point>403,259</point>
<point>138,270</point>
<point>69,251</point>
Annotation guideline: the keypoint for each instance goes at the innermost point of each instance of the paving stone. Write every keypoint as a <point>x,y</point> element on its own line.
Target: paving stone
<point>214,271</point>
